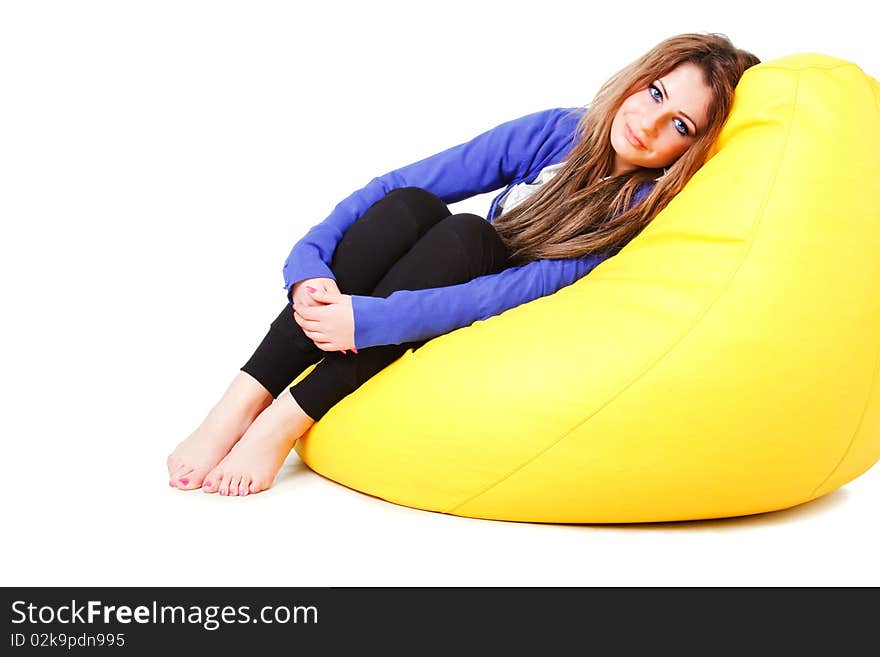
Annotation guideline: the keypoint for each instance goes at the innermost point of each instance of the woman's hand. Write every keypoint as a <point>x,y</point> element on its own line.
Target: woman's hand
<point>303,298</point>
<point>329,323</point>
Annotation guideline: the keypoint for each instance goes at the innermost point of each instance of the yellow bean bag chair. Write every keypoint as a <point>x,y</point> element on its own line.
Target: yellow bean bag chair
<point>724,363</point>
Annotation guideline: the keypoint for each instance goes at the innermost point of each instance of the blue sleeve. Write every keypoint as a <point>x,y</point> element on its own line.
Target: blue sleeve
<point>485,163</point>
<point>410,315</point>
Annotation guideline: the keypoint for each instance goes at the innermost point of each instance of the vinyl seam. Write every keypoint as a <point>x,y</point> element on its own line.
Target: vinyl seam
<point>855,433</point>
<point>873,381</point>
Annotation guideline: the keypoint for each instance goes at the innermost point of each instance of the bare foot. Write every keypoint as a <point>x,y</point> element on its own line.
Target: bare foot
<point>219,431</point>
<point>254,461</point>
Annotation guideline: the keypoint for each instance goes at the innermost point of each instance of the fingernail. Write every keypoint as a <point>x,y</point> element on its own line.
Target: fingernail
<point>343,351</point>
<point>354,350</point>
<point>310,288</point>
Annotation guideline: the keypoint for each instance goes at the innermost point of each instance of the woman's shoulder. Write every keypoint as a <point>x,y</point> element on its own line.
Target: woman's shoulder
<point>575,113</point>
<point>564,120</point>
<point>557,114</point>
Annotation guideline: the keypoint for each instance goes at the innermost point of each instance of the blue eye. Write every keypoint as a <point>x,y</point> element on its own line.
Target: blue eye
<point>678,123</point>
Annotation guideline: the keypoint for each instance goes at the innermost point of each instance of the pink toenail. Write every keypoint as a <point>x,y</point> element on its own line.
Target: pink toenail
<point>184,481</point>
<point>206,484</point>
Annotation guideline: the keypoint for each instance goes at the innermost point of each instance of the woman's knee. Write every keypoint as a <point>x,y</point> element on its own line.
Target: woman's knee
<point>422,203</point>
<point>382,235</point>
<point>479,241</point>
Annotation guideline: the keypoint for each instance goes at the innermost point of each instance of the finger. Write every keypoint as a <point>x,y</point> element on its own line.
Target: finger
<point>307,313</point>
<point>304,323</point>
<point>305,302</point>
<point>316,336</point>
<point>311,325</point>
<point>322,296</point>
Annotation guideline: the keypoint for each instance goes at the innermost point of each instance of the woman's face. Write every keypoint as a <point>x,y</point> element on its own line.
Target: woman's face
<point>654,126</point>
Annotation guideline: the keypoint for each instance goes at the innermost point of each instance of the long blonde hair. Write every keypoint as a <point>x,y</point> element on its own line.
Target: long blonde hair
<point>581,209</point>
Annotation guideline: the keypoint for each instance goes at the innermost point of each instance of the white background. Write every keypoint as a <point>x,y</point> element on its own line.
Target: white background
<point>159,160</point>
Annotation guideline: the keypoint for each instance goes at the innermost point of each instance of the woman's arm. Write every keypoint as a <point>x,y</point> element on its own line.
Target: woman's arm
<point>410,315</point>
<point>486,162</point>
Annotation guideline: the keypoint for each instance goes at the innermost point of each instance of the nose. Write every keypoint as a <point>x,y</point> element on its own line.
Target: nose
<point>648,123</point>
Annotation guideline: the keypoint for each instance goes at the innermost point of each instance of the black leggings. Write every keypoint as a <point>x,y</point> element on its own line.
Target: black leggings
<point>407,240</point>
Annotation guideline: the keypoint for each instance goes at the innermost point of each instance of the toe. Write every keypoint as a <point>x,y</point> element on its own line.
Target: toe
<point>223,488</point>
<point>212,481</point>
<point>234,481</point>
<point>243,485</point>
<point>181,477</point>
<point>193,480</point>
<point>179,471</point>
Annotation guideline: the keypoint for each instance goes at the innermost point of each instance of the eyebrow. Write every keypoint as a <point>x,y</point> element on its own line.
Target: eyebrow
<point>665,93</point>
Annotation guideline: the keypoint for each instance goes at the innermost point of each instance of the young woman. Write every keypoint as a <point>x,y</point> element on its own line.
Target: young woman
<point>391,267</point>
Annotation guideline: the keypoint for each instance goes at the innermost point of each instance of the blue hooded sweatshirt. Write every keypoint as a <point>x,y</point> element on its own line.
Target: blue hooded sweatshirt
<point>504,156</point>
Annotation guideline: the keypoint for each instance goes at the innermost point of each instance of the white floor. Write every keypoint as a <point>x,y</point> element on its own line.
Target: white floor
<point>158,163</point>
<point>92,507</point>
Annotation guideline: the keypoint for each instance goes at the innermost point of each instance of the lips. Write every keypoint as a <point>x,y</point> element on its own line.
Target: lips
<point>631,137</point>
